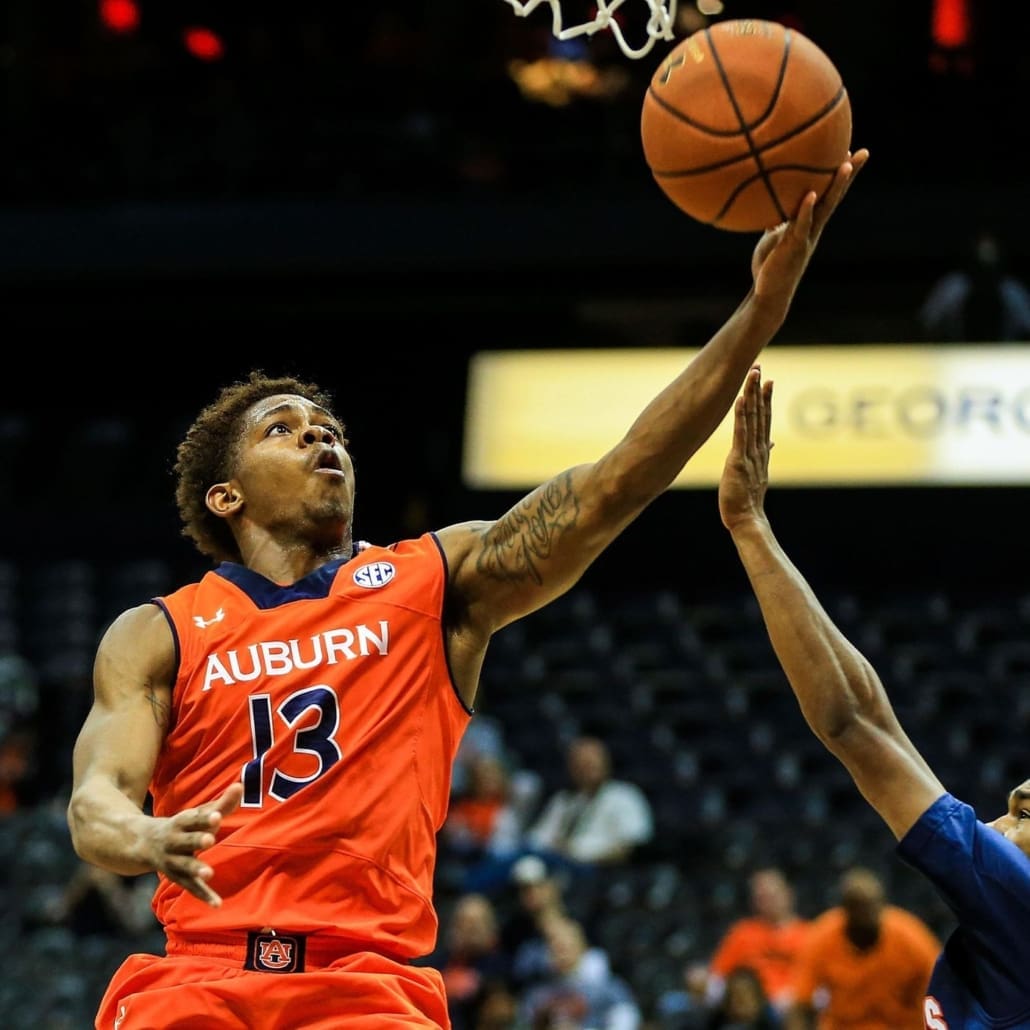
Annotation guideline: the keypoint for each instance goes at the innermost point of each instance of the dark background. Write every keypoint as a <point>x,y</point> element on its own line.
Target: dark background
<point>361,195</point>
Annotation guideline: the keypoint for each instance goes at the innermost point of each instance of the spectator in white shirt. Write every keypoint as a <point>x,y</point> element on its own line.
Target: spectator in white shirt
<point>598,819</point>
<point>593,824</point>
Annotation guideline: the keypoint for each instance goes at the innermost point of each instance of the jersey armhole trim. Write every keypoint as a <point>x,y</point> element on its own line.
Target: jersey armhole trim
<point>175,637</point>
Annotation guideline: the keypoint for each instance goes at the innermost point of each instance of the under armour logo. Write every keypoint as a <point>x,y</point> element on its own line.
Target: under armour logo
<point>203,623</point>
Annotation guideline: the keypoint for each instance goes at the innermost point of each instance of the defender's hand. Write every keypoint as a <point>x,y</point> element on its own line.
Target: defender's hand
<point>745,475</point>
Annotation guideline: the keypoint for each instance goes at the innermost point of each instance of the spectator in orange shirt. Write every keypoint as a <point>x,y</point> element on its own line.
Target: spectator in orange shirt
<point>483,821</point>
<point>470,958</point>
<point>769,941</point>
<point>866,965</point>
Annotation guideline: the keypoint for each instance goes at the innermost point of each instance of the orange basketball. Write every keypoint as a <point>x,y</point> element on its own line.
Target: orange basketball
<point>741,120</point>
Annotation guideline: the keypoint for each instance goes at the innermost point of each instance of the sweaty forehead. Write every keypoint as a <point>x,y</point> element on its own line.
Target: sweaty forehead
<point>283,403</point>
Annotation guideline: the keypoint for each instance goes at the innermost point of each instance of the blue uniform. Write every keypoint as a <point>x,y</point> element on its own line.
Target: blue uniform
<point>982,978</point>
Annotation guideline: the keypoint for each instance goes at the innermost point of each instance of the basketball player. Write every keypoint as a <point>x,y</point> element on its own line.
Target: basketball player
<point>292,717</point>
<point>981,870</point>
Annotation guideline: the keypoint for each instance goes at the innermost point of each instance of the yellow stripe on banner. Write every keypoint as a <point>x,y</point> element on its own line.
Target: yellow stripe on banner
<point>842,415</point>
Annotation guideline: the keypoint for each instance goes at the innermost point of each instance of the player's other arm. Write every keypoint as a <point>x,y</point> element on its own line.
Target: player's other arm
<point>114,758</point>
<point>839,692</point>
<point>506,569</point>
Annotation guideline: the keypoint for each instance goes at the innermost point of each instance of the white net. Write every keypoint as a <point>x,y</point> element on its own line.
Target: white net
<point>659,24</point>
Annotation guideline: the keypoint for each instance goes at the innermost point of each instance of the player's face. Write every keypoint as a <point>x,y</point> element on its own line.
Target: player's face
<point>293,463</point>
<point>1015,823</point>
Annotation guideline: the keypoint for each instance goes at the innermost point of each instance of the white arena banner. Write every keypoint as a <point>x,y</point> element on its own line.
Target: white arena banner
<point>876,415</point>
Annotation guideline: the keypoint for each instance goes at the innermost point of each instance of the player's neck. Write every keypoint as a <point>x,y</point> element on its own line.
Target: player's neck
<point>287,563</point>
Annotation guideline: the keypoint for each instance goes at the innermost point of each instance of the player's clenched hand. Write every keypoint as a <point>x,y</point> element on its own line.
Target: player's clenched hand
<point>174,842</point>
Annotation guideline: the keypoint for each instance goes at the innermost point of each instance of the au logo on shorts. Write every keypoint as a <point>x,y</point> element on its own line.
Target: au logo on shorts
<point>274,952</point>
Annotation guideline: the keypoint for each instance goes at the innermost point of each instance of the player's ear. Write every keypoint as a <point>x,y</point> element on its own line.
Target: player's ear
<point>223,499</point>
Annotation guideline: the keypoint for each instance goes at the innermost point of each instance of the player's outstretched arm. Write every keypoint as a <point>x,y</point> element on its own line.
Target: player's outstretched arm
<point>114,759</point>
<point>839,692</point>
<point>505,569</point>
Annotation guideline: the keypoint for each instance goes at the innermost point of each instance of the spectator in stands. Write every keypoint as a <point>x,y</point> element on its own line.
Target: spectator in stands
<point>866,964</point>
<point>579,994</point>
<point>484,736</point>
<point>768,941</point>
<point>482,821</point>
<point>490,803</point>
<point>744,1005</point>
<point>498,1006</point>
<point>471,957</point>
<point>17,768</point>
<point>19,736</point>
<point>597,820</point>
<point>686,1007</point>
<point>982,301</point>
<point>539,896</point>
<point>981,870</point>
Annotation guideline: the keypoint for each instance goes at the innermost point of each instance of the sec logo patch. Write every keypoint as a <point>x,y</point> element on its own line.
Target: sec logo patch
<point>374,575</point>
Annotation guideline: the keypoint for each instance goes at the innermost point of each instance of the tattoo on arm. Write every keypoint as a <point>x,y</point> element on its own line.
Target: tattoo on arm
<point>516,545</point>
<point>160,708</point>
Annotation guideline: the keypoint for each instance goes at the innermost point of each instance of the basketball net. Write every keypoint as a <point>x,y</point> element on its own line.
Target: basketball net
<point>659,25</point>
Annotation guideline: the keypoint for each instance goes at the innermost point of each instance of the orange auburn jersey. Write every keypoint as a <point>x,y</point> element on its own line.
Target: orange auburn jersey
<point>332,702</point>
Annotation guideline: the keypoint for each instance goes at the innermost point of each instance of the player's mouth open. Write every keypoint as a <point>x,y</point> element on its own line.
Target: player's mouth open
<point>330,463</point>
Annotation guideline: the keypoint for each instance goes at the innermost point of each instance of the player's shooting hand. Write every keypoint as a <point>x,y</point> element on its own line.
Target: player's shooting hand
<point>745,475</point>
<point>177,839</point>
<point>782,254</point>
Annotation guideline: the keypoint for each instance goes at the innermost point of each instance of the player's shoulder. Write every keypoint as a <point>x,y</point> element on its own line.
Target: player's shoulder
<point>424,552</point>
<point>461,539</point>
<point>136,618</point>
<point>141,626</point>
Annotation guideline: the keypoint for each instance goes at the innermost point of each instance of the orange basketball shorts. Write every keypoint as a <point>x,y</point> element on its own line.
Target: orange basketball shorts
<point>191,991</point>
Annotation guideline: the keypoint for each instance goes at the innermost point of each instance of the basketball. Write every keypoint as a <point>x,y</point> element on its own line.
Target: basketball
<point>741,120</point>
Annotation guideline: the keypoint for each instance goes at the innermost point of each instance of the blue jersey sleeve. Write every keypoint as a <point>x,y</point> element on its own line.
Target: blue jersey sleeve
<point>982,877</point>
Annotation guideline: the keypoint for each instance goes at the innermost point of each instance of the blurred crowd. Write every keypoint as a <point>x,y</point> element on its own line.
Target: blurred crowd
<point>520,948</point>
